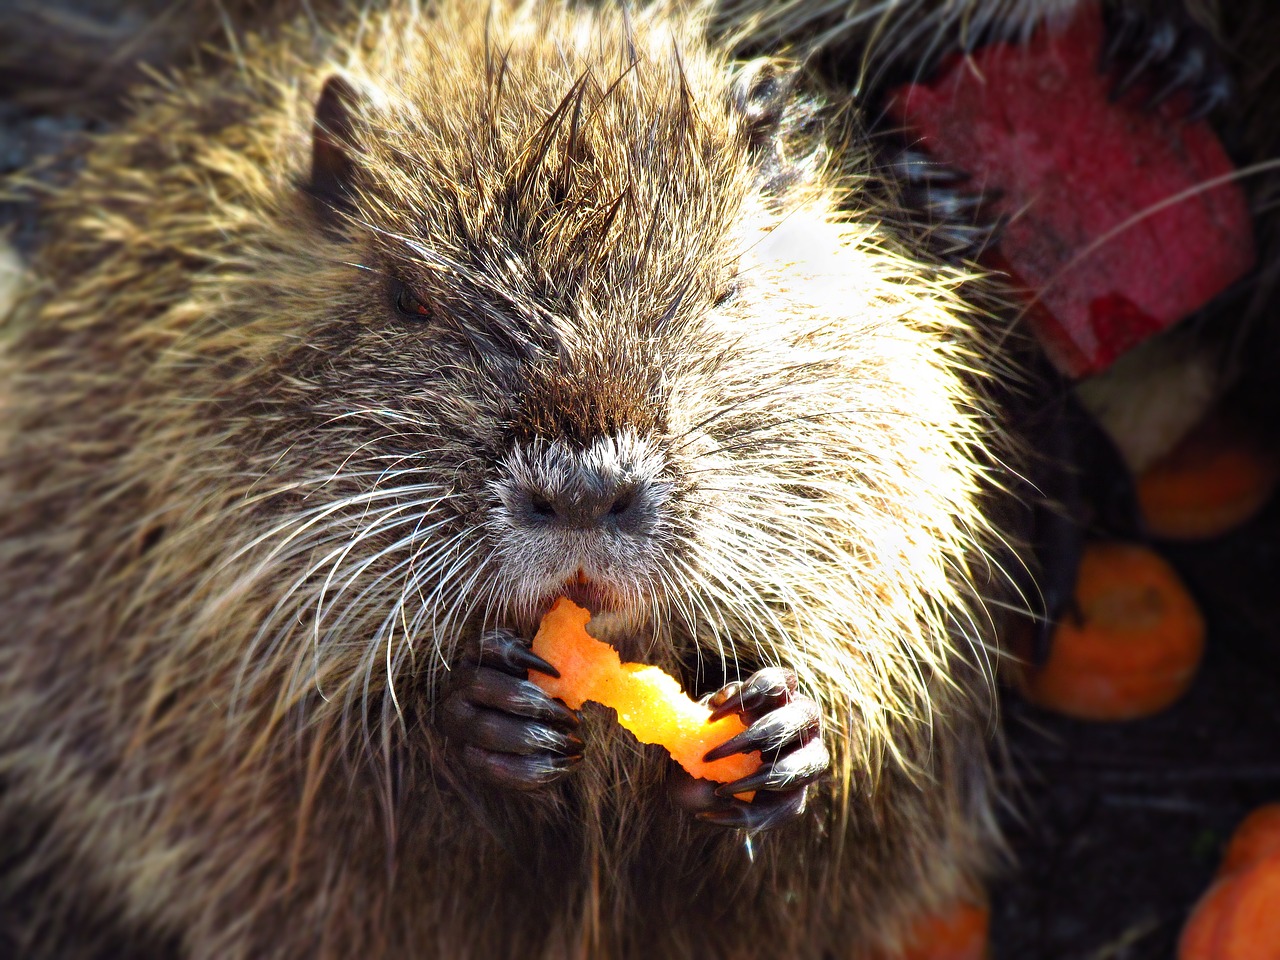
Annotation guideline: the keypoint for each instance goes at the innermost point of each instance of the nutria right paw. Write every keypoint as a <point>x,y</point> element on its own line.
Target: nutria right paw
<point>786,728</point>
<point>506,729</point>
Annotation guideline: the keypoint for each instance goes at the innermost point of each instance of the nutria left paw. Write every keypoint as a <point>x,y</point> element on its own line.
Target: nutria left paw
<point>787,730</point>
<point>505,728</point>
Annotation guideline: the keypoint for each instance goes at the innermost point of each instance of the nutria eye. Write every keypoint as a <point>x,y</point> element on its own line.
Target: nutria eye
<point>407,305</point>
<point>727,295</point>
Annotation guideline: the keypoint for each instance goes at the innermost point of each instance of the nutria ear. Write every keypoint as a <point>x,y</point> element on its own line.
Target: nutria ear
<point>760,95</point>
<point>339,110</point>
<point>763,95</point>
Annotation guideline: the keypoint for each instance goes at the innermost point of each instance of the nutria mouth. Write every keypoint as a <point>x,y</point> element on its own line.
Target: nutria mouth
<point>618,617</point>
<point>598,596</point>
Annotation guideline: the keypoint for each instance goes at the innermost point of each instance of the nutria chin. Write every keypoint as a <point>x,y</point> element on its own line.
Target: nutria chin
<point>341,363</point>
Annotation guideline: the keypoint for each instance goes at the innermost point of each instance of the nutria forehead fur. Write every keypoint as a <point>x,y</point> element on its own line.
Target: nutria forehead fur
<point>253,508</point>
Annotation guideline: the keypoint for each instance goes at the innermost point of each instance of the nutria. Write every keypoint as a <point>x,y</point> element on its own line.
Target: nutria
<point>341,363</point>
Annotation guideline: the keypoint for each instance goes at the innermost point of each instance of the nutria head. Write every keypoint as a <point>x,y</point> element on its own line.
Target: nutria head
<point>606,323</point>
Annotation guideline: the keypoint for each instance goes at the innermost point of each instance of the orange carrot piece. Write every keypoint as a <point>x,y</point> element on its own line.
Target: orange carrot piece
<point>649,703</point>
<point>1134,649</point>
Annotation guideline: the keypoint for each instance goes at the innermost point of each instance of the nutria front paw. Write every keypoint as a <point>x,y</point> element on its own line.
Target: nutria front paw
<point>786,728</point>
<point>503,726</point>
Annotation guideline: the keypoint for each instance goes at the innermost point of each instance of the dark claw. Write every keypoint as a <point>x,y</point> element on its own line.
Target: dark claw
<point>1214,92</point>
<point>506,729</point>
<point>797,721</point>
<point>765,812</point>
<point>518,772</point>
<point>505,733</point>
<point>1078,486</point>
<point>497,691</point>
<point>1184,72</point>
<point>797,769</point>
<point>1058,544</point>
<point>1124,27</point>
<point>951,205</point>
<point>1059,511</point>
<point>505,651</point>
<point>954,218</point>
<point>787,728</point>
<point>918,167</point>
<point>968,241</point>
<point>1159,45</point>
<point>764,690</point>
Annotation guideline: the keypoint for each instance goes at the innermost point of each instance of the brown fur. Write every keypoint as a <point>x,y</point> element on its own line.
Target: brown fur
<point>245,527</point>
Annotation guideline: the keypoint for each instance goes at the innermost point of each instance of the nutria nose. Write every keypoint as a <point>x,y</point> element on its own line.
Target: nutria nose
<point>615,483</point>
<point>580,506</point>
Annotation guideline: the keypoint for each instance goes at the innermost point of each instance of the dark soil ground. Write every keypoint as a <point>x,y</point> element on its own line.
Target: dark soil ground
<point>1119,827</point>
<point>1115,829</point>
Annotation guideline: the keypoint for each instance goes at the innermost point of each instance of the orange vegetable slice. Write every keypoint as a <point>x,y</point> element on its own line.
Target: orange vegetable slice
<point>1214,480</point>
<point>1135,647</point>
<point>649,702</point>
